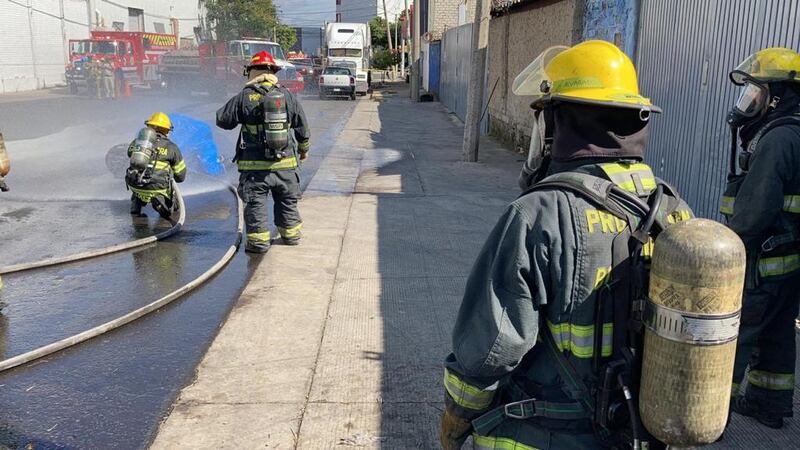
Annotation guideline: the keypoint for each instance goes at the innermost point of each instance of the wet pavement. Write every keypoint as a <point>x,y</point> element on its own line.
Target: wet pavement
<point>110,392</point>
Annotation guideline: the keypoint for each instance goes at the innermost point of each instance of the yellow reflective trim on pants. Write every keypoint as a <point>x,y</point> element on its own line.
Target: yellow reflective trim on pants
<point>771,381</point>
<point>180,167</point>
<point>778,265</point>
<point>579,339</point>
<point>259,237</point>
<point>146,195</point>
<point>622,175</point>
<point>291,231</point>
<point>726,205</point>
<point>791,203</point>
<point>286,163</point>
<point>495,443</point>
<point>466,395</point>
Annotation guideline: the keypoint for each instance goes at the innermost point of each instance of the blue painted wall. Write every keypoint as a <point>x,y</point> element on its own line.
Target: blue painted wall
<point>603,19</point>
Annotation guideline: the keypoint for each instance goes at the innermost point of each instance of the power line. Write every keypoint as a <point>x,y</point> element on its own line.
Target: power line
<point>45,13</point>
<point>157,16</point>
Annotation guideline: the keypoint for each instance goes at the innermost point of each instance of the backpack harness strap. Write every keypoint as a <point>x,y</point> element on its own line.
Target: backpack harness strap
<point>619,202</point>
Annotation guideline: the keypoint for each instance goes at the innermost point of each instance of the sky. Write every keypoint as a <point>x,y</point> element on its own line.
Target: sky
<point>315,13</point>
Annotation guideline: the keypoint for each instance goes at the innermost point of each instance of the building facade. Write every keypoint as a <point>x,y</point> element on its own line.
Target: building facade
<point>310,40</point>
<point>356,11</point>
<point>34,48</point>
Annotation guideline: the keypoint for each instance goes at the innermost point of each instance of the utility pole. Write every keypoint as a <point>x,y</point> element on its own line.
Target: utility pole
<point>64,39</point>
<point>480,39</point>
<point>415,69</point>
<point>388,28</point>
<point>405,41</point>
<point>396,43</point>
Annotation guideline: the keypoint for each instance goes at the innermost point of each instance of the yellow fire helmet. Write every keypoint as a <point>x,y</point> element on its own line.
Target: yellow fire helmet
<point>768,65</point>
<point>592,72</point>
<point>159,120</point>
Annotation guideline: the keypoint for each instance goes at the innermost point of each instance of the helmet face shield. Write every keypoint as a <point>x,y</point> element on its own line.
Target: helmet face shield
<point>533,80</point>
<point>752,99</point>
<point>592,72</point>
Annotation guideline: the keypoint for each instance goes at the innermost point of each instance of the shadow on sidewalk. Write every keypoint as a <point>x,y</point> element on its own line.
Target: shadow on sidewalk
<point>433,215</point>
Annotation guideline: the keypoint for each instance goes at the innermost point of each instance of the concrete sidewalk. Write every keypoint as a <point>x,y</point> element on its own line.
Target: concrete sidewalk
<point>339,342</point>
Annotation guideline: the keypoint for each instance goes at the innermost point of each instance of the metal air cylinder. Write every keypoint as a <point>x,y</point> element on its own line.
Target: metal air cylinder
<point>277,121</point>
<point>692,322</point>
<point>143,148</point>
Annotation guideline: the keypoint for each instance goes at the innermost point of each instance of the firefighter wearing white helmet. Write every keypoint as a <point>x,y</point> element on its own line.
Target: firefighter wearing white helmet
<point>762,204</point>
<point>541,355</point>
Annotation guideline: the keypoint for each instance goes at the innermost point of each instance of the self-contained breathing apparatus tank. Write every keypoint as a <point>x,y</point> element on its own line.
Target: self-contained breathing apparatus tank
<point>143,157</point>
<point>692,322</point>
<point>276,125</point>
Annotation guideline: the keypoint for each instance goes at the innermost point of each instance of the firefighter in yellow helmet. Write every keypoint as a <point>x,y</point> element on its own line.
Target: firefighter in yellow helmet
<point>762,204</point>
<point>5,167</point>
<point>155,161</point>
<point>537,336</point>
<point>5,164</point>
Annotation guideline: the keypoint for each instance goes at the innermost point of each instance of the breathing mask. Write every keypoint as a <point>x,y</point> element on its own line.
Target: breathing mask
<point>754,100</point>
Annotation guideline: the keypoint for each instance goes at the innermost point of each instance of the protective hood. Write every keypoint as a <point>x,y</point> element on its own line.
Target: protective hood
<point>789,104</point>
<point>586,131</point>
<point>263,78</point>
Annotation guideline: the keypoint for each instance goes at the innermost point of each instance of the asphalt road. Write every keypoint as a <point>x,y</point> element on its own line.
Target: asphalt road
<point>67,196</point>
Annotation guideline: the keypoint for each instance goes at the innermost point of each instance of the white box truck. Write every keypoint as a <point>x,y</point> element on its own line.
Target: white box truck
<point>350,45</point>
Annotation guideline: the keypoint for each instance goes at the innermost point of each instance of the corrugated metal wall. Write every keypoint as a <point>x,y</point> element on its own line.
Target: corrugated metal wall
<point>686,50</point>
<point>454,72</point>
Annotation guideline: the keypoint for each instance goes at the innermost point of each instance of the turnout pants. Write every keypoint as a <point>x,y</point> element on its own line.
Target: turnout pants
<point>163,205</point>
<point>254,189</point>
<point>767,345</point>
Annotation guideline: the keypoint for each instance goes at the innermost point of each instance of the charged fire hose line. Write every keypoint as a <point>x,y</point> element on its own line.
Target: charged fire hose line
<point>141,312</point>
<point>176,227</point>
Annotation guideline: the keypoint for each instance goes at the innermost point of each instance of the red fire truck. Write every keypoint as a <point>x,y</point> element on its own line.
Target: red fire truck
<point>134,55</point>
<point>216,67</point>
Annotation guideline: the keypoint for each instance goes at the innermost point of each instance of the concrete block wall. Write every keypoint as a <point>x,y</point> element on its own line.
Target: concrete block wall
<point>612,20</point>
<point>515,40</point>
<point>443,15</point>
<point>517,35</point>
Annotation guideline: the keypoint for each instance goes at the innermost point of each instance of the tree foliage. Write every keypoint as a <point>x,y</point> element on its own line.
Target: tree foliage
<point>383,58</point>
<point>378,29</point>
<point>235,19</point>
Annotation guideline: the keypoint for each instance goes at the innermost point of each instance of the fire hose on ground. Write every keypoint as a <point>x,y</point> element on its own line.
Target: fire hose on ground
<point>70,341</point>
<point>176,227</point>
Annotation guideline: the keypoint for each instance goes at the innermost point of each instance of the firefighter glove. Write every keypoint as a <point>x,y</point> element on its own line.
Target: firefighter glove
<point>3,185</point>
<point>454,430</point>
<point>303,156</point>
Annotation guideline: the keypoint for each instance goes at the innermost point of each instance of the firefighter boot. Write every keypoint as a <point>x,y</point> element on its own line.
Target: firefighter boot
<point>136,206</point>
<point>163,206</point>
<point>745,408</point>
<point>291,241</point>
